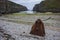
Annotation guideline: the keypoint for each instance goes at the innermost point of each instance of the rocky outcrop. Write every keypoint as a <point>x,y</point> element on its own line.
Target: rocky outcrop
<point>45,7</point>
<point>10,7</point>
<point>38,28</point>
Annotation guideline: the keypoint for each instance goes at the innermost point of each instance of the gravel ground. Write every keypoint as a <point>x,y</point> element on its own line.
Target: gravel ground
<point>50,21</point>
<point>19,31</point>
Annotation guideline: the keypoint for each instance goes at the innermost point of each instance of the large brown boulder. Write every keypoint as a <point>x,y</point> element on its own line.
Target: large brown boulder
<point>38,28</point>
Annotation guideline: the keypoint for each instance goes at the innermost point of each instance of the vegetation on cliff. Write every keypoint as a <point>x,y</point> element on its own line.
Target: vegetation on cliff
<point>48,6</point>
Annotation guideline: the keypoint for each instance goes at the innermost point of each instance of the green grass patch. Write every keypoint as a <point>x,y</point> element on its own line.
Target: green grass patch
<point>37,14</point>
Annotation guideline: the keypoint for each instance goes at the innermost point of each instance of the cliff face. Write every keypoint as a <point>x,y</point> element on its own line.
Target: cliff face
<point>39,7</point>
<point>10,7</point>
<point>47,6</point>
<point>13,7</point>
<point>2,5</point>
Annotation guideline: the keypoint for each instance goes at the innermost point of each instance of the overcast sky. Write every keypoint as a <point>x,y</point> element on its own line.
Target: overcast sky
<point>28,3</point>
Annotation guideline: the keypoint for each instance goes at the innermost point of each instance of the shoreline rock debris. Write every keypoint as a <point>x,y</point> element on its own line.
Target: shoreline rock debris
<point>4,35</point>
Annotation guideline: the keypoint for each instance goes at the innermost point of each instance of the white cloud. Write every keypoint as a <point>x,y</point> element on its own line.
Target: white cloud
<point>24,1</point>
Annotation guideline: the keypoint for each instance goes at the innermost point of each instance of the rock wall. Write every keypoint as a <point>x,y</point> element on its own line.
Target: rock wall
<point>2,5</point>
<point>10,7</point>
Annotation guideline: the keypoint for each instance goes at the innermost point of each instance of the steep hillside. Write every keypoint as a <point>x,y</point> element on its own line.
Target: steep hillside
<point>10,7</point>
<point>48,6</point>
